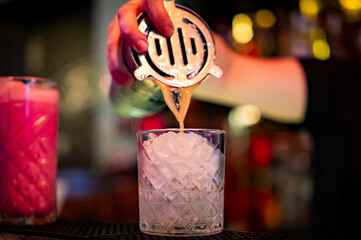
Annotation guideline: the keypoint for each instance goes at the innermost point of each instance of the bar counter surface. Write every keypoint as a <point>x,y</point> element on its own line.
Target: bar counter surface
<point>73,229</point>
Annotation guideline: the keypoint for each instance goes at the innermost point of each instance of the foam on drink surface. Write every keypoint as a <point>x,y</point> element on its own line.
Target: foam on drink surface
<point>14,90</point>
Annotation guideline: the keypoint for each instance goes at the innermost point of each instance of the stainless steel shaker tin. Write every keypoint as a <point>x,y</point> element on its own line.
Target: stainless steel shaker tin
<point>182,60</point>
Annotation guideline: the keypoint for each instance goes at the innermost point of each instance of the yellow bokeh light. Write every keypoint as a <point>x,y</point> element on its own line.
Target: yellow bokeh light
<point>351,4</point>
<point>241,18</point>
<point>244,116</point>
<point>265,18</point>
<point>242,29</point>
<point>309,8</point>
<point>242,33</point>
<point>321,49</point>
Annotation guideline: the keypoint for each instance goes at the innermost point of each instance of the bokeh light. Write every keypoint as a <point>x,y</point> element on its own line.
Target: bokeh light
<point>309,8</point>
<point>352,9</point>
<point>265,18</point>
<point>244,116</point>
<point>321,49</point>
<point>242,28</point>
<point>351,4</point>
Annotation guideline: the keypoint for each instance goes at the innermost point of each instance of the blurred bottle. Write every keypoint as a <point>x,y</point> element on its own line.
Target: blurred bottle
<point>141,99</point>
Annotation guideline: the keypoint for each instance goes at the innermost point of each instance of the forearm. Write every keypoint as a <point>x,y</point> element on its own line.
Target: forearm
<point>276,85</point>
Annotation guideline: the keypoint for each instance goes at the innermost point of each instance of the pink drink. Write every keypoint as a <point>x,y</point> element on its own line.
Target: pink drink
<point>28,151</point>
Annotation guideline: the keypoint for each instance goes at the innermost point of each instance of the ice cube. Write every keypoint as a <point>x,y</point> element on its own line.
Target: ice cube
<point>155,176</point>
<point>182,156</point>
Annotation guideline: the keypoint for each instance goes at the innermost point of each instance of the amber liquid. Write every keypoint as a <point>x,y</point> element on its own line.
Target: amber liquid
<point>177,99</point>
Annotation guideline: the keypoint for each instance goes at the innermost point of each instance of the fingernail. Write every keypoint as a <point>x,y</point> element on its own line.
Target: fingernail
<point>141,46</point>
<point>168,31</point>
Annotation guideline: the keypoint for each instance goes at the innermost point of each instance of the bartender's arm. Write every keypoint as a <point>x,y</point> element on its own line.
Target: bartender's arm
<point>276,85</point>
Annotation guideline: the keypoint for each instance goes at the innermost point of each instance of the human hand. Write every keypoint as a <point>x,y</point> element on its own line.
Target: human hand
<point>124,27</point>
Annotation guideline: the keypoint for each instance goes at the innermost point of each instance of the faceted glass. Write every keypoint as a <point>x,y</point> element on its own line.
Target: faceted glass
<point>181,181</point>
<point>28,150</point>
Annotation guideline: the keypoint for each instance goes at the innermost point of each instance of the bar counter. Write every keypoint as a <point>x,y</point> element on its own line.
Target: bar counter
<point>83,229</point>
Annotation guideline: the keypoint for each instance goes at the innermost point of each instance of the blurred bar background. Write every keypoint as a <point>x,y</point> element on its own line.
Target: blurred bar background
<point>268,183</point>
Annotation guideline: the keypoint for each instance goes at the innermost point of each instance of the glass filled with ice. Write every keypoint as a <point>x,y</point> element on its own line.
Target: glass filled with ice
<point>28,150</point>
<point>181,181</point>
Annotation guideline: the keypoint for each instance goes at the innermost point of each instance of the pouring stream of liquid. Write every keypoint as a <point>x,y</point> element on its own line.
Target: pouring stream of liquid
<point>177,99</point>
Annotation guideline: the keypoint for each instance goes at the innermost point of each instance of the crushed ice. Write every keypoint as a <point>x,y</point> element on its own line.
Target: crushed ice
<point>181,155</point>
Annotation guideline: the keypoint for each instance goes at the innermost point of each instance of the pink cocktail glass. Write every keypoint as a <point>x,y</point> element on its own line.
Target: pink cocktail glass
<point>28,150</point>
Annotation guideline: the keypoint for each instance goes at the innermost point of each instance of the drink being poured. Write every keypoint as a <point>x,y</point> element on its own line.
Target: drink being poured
<point>178,100</point>
<point>181,181</point>
<point>181,171</point>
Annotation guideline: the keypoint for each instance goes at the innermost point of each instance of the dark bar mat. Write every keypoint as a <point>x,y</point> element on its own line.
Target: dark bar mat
<point>72,229</point>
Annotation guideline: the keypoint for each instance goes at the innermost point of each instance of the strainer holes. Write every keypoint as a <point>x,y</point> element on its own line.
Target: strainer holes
<point>136,57</point>
<point>193,43</point>
<point>170,51</point>
<point>157,46</point>
<point>181,40</point>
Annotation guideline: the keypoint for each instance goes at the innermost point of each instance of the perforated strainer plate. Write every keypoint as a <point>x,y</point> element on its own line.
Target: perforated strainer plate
<point>182,60</point>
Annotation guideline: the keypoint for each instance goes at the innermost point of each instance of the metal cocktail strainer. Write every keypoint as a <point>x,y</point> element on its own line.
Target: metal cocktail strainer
<point>182,60</point>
